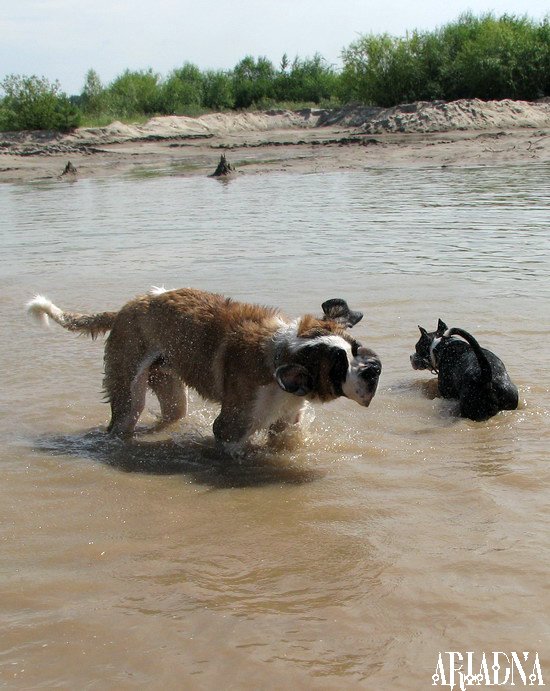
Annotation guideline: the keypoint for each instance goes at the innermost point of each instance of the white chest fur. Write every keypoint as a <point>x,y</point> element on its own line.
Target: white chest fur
<point>272,404</point>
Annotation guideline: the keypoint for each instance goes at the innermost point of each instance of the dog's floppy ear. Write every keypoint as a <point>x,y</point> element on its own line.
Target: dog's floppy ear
<point>336,309</point>
<point>441,327</point>
<point>294,379</point>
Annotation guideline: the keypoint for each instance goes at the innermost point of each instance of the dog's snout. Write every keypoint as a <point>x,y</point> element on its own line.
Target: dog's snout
<point>371,370</point>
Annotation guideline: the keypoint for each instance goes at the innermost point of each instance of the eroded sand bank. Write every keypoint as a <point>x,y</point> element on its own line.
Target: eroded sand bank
<point>467,132</point>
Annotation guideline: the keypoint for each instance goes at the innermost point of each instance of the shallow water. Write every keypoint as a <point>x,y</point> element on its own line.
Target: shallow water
<point>391,534</point>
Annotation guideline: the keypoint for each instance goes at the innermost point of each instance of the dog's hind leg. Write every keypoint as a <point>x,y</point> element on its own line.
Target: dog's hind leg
<point>508,395</point>
<point>128,402</point>
<point>127,366</point>
<point>171,393</point>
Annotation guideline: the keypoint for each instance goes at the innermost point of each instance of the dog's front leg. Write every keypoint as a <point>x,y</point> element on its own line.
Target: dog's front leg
<point>286,432</point>
<point>232,429</point>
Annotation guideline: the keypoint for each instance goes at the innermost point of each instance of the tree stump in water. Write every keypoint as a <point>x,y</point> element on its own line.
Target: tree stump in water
<point>69,169</point>
<point>224,168</point>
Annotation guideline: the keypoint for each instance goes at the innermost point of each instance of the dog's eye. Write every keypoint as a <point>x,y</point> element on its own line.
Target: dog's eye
<point>339,367</point>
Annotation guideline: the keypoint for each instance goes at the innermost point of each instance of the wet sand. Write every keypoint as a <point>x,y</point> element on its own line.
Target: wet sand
<point>468,133</point>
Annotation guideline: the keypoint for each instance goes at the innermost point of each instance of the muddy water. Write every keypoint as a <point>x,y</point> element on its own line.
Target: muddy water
<point>392,534</point>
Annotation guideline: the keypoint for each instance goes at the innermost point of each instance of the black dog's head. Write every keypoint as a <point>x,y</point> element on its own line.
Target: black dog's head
<point>422,358</point>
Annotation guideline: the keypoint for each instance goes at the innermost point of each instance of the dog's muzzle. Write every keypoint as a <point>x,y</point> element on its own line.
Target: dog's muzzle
<point>369,375</point>
<point>371,371</point>
<point>362,377</point>
<point>418,362</point>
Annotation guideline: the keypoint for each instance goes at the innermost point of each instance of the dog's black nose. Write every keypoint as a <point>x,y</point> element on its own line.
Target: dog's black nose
<point>371,370</point>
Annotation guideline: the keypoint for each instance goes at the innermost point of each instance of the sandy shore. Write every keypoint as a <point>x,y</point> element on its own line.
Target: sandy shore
<point>463,133</point>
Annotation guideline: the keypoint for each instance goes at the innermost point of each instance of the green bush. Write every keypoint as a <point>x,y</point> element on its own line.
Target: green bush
<point>182,91</point>
<point>218,90</point>
<point>93,99</point>
<point>34,103</point>
<point>384,70</point>
<point>474,57</point>
<point>312,80</point>
<point>380,70</point>
<point>494,58</point>
<point>253,82</point>
<point>134,92</point>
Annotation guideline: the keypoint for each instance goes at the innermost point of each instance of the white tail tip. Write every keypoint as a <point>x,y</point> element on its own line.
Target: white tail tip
<point>157,290</point>
<point>41,309</point>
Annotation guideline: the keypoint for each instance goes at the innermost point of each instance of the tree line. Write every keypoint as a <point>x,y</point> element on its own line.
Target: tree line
<point>473,57</point>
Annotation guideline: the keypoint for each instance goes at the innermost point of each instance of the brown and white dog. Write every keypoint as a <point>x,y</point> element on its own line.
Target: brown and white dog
<point>258,364</point>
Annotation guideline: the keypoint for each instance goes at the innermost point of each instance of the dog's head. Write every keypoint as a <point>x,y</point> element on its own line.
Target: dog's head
<point>424,356</point>
<point>318,359</point>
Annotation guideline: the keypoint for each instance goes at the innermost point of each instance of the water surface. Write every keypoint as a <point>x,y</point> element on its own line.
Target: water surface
<point>392,534</point>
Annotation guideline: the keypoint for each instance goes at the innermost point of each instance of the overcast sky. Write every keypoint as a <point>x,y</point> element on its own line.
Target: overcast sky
<point>63,39</point>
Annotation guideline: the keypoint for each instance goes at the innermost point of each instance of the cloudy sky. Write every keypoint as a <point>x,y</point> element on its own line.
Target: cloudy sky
<point>62,39</point>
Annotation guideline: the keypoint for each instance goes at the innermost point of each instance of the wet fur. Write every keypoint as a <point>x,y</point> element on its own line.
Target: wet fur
<point>474,376</point>
<point>256,363</point>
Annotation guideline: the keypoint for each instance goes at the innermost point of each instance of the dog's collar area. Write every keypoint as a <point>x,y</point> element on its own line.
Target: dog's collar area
<point>429,365</point>
<point>279,350</point>
<point>433,361</point>
<point>435,343</point>
<point>282,342</point>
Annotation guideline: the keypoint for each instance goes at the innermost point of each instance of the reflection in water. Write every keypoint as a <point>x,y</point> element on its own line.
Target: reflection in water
<point>193,455</point>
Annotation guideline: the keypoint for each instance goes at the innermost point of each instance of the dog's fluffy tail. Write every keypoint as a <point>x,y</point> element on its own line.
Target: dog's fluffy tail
<point>42,309</point>
<point>484,365</point>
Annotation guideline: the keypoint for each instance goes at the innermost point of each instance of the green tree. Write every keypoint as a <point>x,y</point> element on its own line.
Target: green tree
<point>474,57</point>
<point>253,82</point>
<point>495,58</point>
<point>366,63</point>
<point>35,103</point>
<point>218,90</point>
<point>135,93</point>
<point>93,98</point>
<point>310,79</point>
<point>183,90</point>
<point>285,62</point>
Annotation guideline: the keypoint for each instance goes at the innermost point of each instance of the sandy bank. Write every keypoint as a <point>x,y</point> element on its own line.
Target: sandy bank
<point>467,132</point>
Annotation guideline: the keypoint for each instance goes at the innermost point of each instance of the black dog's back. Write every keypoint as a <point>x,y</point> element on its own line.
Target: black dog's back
<point>475,376</point>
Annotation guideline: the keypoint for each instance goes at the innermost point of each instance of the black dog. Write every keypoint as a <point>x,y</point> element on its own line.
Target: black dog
<point>474,376</point>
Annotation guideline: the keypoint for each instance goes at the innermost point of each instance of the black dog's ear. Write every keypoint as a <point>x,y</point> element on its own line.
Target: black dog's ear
<point>294,379</point>
<point>336,309</point>
<point>441,327</point>
<point>423,331</point>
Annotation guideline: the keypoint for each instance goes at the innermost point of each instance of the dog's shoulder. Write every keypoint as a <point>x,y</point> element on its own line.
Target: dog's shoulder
<point>310,327</point>
<point>246,312</point>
